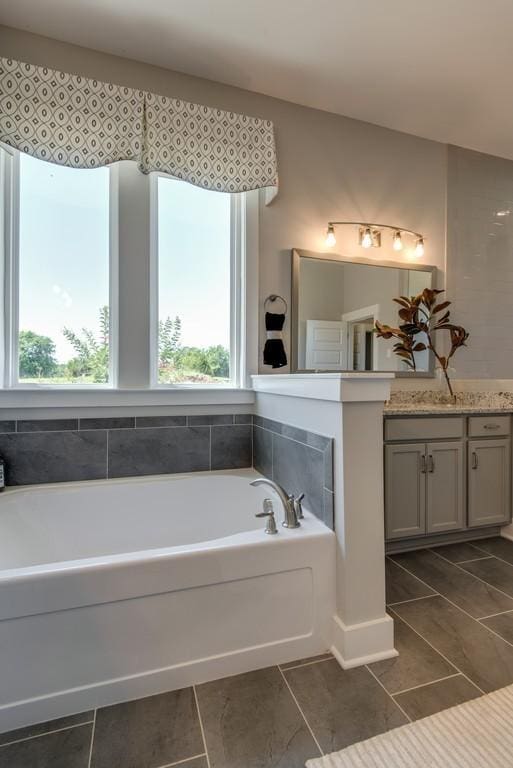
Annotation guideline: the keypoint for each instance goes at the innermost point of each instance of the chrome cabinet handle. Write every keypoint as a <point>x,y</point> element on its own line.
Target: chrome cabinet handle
<point>423,464</point>
<point>431,463</point>
<point>491,426</point>
<point>474,460</point>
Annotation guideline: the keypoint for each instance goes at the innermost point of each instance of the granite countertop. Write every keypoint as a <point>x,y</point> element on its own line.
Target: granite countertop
<point>432,403</point>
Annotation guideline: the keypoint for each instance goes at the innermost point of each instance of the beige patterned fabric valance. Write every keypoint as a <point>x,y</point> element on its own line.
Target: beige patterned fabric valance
<point>72,120</point>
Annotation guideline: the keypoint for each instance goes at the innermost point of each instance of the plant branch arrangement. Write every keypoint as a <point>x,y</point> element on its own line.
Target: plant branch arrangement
<point>421,316</point>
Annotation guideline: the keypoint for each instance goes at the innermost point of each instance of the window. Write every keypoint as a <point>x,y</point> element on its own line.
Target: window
<point>174,308</point>
<point>194,284</point>
<point>60,325</point>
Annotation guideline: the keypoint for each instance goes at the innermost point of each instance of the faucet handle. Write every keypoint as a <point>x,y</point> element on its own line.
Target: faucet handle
<point>269,513</point>
<point>298,507</point>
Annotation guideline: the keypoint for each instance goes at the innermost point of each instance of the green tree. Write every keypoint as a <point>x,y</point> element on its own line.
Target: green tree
<point>210,361</point>
<point>92,353</point>
<point>36,356</point>
<point>217,361</point>
<point>170,334</point>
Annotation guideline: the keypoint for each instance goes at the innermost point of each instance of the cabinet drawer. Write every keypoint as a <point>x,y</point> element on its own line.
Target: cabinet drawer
<point>442,428</point>
<point>488,426</point>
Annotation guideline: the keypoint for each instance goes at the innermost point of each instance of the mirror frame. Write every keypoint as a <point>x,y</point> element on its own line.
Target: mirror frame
<point>298,254</point>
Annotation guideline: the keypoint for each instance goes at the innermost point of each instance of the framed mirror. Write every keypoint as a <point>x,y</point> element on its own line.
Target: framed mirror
<point>335,303</point>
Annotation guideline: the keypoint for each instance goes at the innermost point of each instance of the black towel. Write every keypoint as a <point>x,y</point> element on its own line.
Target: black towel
<point>274,351</point>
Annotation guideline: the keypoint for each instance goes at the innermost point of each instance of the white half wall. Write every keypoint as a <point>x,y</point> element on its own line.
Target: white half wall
<point>349,409</point>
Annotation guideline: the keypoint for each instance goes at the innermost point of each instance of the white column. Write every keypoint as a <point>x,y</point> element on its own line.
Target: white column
<point>348,408</point>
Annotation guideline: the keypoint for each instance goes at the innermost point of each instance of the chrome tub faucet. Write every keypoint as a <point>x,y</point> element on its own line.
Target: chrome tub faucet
<point>291,506</point>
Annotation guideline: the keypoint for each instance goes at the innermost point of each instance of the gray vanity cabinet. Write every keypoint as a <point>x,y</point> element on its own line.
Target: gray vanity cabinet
<point>489,482</point>
<point>424,488</point>
<point>445,474</point>
<point>445,487</point>
<point>405,485</point>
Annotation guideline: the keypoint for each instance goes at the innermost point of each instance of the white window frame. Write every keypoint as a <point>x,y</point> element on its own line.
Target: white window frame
<point>241,206</point>
<point>10,186</point>
<point>133,288</point>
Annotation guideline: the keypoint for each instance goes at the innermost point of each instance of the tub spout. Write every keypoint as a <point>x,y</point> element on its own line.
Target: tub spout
<point>287,500</point>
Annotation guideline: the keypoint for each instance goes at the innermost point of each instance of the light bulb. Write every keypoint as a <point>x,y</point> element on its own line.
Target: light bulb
<point>397,242</point>
<point>367,238</point>
<point>330,236</point>
<point>419,247</point>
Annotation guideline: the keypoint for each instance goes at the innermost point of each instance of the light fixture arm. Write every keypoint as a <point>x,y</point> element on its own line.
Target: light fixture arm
<point>370,225</point>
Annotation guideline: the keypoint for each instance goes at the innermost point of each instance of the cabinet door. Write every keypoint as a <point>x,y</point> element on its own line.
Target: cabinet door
<point>445,487</point>
<point>489,482</point>
<point>405,490</point>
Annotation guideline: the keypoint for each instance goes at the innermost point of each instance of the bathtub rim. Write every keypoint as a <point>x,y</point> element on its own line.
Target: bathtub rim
<point>105,561</point>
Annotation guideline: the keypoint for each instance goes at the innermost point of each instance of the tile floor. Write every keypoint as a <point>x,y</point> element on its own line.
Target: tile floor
<point>453,611</point>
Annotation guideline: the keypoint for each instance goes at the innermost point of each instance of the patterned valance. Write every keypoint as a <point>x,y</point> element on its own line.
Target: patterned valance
<point>72,120</point>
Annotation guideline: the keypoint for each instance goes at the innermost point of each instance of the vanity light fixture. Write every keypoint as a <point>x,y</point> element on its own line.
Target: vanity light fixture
<point>330,236</point>
<point>366,238</point>
<point>369,235</point>
<point>419,247</point>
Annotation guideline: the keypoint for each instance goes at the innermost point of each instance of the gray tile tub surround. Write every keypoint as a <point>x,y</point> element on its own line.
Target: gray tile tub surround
<point>54,457</point>
<point>63,450</point>
<point>300,461</point>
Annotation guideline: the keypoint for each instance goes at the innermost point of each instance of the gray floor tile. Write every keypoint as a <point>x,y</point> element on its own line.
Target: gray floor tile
<point>458,553</point>
<point>502,624</point>
<point>497,546</point>
<point>342,707</point>
<point>416,664</point>
<point>49,725</point>
<point>402,585</point>
<point>495,572</point>
<point>485,658</point>
<point>252,721</point>
<point>196,762</point>
<point>307,660</point>
<point>64,749</point>
<point>449,580</point>
<point>148,733</point>
<point>437,696</point>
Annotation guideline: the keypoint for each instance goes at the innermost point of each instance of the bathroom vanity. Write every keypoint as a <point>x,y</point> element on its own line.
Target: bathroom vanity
<point>446,473</point>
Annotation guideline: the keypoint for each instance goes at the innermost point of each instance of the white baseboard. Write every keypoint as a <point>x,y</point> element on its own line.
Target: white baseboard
<point>506,533</point>
<point>363,643</point>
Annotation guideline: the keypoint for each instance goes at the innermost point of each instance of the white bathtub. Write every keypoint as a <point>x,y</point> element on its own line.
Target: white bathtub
<point>115,589</point>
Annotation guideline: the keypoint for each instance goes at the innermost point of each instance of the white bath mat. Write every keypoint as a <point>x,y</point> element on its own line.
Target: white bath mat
<point>477,734</point>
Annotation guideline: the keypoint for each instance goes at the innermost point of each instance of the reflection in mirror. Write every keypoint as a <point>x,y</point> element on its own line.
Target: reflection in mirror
<point>335,305</point>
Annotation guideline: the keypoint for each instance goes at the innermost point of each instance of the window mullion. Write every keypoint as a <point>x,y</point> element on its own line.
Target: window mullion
<point>10,265</point>
<point>236,294</point>
<point>134,278</point>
